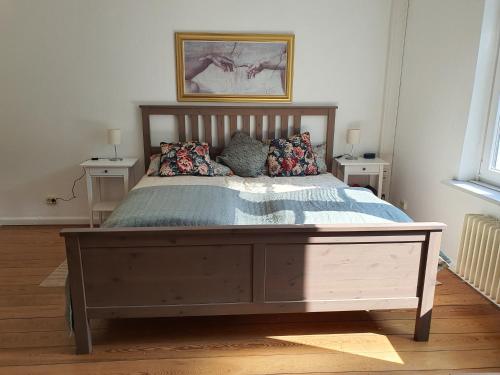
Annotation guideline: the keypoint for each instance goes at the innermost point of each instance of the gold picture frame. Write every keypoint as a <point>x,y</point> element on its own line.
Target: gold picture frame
<point>214,67</point>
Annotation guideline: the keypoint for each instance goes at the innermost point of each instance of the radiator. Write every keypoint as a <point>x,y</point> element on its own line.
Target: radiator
<point>479,255</point>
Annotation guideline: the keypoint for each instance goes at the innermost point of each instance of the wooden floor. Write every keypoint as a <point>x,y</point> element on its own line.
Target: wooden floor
<point>465,331</point>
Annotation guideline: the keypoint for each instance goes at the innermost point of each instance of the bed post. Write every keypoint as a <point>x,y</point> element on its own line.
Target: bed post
<point>426,285</point>
<point>146,135</point>
<point>80,320</point>
<point>330,131</point>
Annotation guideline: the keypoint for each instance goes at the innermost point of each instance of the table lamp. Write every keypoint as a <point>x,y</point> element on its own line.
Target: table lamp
<point>352,139</point>
<point>114,138</point>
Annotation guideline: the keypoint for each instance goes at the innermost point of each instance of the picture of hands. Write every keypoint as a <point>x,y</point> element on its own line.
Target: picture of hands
<point>218,68</point>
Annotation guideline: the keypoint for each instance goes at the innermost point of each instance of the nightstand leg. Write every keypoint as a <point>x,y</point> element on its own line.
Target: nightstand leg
<point>90,195</point>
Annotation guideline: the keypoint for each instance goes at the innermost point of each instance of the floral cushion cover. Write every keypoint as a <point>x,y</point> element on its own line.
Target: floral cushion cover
<point>320,152</point>
<point>154,165</point>
<point>292,157</point>
<point>219,169</point>
<point>190,158</point>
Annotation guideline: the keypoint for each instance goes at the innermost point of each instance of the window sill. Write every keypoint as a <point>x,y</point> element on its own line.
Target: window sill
<point>479,191</point>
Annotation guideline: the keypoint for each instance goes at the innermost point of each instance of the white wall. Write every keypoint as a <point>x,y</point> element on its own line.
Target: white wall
<point>70,69</point>
<point>438,77</point>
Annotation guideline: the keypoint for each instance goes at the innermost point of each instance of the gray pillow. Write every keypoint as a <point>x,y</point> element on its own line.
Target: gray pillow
<point>244,155</point>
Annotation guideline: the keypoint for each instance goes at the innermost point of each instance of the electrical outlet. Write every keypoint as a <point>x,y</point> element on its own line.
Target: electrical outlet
<point>51,200</point>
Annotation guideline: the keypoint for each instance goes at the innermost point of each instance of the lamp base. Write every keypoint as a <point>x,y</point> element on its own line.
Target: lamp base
<point>350,157</point>
<point>115,159</point>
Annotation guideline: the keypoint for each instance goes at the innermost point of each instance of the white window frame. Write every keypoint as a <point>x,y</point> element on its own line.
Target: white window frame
<point>487,171</point>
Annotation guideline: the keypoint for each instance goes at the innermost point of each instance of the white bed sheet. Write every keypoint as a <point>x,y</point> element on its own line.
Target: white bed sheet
<point>262,184</point>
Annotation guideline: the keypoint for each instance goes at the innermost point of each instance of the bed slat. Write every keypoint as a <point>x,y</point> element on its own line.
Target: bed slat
<point>284,126</point>
<point>246,124</point>
<point>181,120</point>
<point>258,127</point>
<point>271,126</point>
<point>220,131</point>
<point>233,124</point>
<point>194,127</point>
<point>207,123</point>
<point>296,124</point>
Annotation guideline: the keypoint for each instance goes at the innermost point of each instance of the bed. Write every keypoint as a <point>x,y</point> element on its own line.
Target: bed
<point>339,249</point>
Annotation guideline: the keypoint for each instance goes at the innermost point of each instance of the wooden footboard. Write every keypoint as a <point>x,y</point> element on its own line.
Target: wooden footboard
<point>153,272</point>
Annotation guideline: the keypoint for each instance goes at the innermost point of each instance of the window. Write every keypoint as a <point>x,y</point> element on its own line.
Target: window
<point>489,170</point>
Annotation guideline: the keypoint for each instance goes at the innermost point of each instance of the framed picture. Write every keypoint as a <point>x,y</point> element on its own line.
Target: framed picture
<point>234,67</point>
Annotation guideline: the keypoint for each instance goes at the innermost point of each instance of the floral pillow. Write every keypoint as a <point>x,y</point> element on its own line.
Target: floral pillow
<point>219,169</point>
<point>292,157</point>
<point>320,152</point>
<point>154,165</point>
<point>190,158</point>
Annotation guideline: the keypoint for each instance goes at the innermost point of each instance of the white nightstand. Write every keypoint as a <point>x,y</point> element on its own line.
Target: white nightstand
<point>369,167</point>
<point>106,168</point>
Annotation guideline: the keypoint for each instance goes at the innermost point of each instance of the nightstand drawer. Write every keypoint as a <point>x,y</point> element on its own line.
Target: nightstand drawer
<point>353,169</point>
<point>103,171</point>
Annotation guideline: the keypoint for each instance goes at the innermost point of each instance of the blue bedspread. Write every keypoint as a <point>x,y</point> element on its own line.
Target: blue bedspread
<point>212,205</point>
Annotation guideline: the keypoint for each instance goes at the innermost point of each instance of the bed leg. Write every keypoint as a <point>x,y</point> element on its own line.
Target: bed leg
<point>422,326</point>
<point>426,285</point>
<point>83,338</point>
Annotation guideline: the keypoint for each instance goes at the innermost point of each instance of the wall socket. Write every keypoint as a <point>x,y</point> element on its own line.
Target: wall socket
<point>51,200</point>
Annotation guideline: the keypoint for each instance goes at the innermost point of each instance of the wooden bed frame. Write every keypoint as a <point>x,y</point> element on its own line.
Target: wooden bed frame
<point>176,271</point>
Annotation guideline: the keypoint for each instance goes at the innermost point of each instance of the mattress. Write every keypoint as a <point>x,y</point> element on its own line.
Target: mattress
<point>213,201</point>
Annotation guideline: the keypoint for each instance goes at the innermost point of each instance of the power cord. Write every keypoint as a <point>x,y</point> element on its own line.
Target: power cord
<point>73,195</point>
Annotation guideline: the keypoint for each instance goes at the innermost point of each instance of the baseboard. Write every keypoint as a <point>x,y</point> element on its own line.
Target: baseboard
<point>44,220</point>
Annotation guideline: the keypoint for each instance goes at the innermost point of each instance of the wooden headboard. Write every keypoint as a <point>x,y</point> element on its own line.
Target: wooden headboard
<point>203,116</point>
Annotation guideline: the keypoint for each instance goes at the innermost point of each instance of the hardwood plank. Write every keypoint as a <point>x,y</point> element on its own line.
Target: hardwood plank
<point>31,311</point>
<point>468,298</point>
<point>8,290</point>
<point>128,330</point>
<point>32,299</point>
<point>213,347</point>
<point>275,364</point>
<point>36,323</point>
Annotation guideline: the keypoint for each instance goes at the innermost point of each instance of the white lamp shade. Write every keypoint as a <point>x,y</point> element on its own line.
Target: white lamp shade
<point>352,136</point>
<point>114,136</point>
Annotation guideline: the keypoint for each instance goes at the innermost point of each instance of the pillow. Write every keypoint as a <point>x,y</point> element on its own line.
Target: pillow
<point>244,155</point>
<point>190,158</point>
<point>320,152</point>
<point>292,157</point>
<point>221,169</point>
<point>154,165</point>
